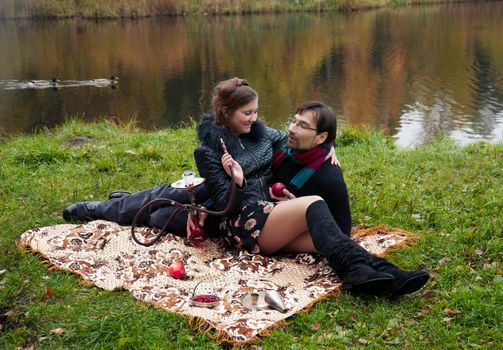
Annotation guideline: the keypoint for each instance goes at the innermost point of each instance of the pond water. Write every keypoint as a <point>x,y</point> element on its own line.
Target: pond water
<point>417,72</point>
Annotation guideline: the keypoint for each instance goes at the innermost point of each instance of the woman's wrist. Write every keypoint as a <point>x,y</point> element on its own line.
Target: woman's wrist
<point>240,182</point>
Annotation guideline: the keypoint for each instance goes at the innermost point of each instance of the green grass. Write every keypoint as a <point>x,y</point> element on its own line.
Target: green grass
<point>449,195</point>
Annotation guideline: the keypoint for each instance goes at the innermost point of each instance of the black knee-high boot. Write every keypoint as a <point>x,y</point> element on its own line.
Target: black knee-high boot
<point>343,255</point>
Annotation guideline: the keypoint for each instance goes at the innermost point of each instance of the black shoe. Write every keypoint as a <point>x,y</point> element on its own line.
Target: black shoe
<point>118,194</point>
<point>407,282</point>
<point>362,279</point>
<point>82,211</point>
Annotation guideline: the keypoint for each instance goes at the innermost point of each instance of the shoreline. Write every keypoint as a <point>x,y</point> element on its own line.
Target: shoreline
<point>94,9</point>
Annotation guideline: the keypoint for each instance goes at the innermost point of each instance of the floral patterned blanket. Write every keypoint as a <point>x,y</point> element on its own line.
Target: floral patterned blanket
<point>104,254</point>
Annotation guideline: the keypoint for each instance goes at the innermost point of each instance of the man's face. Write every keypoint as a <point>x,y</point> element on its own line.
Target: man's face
<point>302,133</point>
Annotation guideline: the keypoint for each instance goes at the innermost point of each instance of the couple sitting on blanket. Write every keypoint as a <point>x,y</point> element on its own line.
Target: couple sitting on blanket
<point>312,216</point>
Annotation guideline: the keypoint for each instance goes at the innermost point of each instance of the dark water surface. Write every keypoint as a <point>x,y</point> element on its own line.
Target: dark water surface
<point>416,72</point>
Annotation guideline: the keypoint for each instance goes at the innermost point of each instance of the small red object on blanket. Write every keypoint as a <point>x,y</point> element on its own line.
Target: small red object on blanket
<point>176,269</point>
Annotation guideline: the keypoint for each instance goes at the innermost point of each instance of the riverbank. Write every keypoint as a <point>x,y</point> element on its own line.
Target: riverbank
<point>444,193</point>
<point>134,9</point>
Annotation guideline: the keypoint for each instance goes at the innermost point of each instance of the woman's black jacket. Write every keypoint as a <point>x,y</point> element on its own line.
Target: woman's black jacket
<point>253,151</point>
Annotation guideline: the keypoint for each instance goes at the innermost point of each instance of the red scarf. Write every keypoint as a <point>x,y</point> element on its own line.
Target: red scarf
<point>312,161</point>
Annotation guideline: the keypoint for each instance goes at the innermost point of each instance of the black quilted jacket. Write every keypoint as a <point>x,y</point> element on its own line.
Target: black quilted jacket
<point>253,151</point>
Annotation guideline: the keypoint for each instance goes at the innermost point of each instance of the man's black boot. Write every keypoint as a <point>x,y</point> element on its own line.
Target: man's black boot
<point>342,253</point>
<point>82,211</point>
<point>405,282</point>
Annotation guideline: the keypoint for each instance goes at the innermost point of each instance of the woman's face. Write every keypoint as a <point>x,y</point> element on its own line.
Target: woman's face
<point>242,119</point>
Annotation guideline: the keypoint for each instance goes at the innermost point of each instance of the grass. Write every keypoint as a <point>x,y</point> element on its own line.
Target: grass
<point>135,8</point>
<point>449,195</point>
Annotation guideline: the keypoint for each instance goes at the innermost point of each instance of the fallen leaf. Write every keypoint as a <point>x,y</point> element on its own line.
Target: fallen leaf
<point>315,326</point>
<point>447,319</point>
<point>450,311</point>
<point>49,292</point>
<point>417,217</point>
<point>427,294</point>
<point>426,308</point>
<point>479,252</point>
<point>57,331</point>
<point>363,340</point>
<point>444,260</point>
<point>354,318</point>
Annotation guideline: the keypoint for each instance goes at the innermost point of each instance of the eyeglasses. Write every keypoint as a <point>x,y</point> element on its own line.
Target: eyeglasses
<point>301,124</point>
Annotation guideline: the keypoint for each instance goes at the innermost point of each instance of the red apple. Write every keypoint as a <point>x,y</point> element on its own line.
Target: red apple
<point>277,189</point>
<point>176,269</point>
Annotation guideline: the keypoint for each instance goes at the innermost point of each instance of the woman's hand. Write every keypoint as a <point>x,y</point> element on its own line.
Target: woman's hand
<point>332,156</point>
<point>190,223</point>
<point>287,195</point>
<point>228,161</point>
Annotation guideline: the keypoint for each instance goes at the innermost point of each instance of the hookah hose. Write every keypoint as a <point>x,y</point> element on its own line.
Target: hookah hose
<point>180,206</point>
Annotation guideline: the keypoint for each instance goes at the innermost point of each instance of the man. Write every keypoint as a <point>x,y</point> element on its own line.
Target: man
<point>295,164</point>
<point>299,167</point>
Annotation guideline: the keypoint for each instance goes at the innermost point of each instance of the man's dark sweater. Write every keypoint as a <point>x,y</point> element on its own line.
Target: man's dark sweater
<point>327,182</point>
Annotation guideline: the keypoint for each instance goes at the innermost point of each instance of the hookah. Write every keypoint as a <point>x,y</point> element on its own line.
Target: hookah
<point>188,183</point>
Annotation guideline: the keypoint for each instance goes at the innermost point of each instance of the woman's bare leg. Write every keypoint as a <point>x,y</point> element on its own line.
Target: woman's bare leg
<point>301,244</point>
<point>286,227</point>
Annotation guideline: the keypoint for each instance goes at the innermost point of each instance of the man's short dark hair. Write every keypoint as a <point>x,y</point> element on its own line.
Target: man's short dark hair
<point>324,116</point>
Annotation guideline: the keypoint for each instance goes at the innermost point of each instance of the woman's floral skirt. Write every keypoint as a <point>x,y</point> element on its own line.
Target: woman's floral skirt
<point>242,231</point>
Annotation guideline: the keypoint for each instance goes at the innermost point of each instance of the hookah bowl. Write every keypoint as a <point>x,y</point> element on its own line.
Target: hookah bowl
<point>189,182</point>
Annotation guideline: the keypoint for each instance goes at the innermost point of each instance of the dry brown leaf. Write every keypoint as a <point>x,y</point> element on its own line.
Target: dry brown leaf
<point>427,294</point>
<point>427,308</point>
<point>315,326</point>
<point>57,331</point>
<point>450,311</point>
<point>49,292</point>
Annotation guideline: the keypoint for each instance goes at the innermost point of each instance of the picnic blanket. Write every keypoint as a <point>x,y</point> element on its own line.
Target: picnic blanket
<point>103,254</point>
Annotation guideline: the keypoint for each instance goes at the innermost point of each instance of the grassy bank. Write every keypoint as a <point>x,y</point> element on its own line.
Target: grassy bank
<point>449,195</point>
<point>145,8</point>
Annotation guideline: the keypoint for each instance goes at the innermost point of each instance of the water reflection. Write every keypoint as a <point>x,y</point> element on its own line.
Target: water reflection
<point>416,72</point>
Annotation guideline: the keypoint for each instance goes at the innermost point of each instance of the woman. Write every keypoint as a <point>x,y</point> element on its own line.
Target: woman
<point>260,225</point>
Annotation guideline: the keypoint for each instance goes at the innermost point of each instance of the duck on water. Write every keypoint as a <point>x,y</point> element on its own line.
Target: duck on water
<point>55,83</point>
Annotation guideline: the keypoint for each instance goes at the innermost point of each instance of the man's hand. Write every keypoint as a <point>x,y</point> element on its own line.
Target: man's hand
<point>287,195</point>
